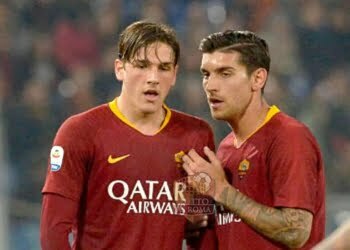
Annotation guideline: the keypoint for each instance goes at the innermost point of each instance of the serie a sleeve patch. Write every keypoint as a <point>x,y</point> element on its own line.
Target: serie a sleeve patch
<point>56,158</point>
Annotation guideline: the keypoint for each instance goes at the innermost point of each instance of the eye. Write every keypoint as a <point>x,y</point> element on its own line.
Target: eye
<point>140,64</point>
<point>205,75</point>
<point>226,74</point>
<point>165,67</point>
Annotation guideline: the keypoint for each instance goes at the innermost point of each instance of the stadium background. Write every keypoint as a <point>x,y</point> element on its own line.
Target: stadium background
<point>56,59</point>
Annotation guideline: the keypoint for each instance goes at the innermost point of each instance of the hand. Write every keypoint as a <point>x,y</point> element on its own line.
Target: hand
<point>194,164</point>
<point>194,223</point>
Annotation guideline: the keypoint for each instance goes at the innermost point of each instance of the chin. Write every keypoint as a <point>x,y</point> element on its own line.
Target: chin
<point>151,108</point>
<point>216,115</point>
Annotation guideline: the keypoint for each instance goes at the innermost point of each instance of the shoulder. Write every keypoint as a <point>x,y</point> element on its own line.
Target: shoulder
<point>288,125</point>
<point>84,122</point>
<point>189,121</point>
<point>227,141</point>
<point>284,128</point>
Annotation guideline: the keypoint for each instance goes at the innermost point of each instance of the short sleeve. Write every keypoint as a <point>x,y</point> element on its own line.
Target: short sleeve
<point>294,160</point>
<point>68,160</point>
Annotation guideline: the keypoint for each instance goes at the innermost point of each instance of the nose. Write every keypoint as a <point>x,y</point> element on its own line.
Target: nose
<point>153,75</point>
<point>210,84</point>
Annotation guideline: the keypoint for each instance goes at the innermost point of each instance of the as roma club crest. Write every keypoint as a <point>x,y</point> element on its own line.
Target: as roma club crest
<point>243,168</point>
<point>178,158</point>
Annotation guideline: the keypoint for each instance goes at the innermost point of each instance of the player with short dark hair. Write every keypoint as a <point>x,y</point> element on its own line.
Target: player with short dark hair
<point>268,172</point>
<point>111,180</point>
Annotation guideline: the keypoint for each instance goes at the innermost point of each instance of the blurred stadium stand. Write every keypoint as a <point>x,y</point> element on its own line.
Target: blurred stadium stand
<point>56,59</point>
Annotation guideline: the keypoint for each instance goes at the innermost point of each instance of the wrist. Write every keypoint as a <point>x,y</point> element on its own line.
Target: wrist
<point>220,189</point>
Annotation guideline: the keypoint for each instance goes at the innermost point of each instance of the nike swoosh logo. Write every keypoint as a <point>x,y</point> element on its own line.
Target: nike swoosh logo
<point>113,160</point>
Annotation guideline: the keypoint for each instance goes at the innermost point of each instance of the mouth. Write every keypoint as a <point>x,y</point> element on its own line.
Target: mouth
<point>151,94</point>
<point>214,102</point>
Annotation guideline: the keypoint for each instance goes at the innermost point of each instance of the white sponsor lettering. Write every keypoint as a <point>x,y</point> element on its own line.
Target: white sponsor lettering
<point>132,207</point>
<point>151,185</point>
<point>155,207</point>
<point>138,189</point>
<point>153,197</point>
<point>164,190</point>
<point>179,191</point>
<point>223,217</point>
<point>125,191</point>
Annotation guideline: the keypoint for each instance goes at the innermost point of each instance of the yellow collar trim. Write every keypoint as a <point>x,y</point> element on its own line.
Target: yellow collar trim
<point>114,107</point>
<point>273,110</point>
<point>271,113</point>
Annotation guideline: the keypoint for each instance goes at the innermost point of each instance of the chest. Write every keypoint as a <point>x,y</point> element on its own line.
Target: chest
<point>247,169</point>
<point>129,155</point>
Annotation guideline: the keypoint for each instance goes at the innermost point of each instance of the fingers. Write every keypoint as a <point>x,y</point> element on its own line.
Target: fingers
<point>193,162</point>
<point>196,157</point>
<point>186,165</point>
<point>211,155</point>
<point>189,164</point>
<point>187,159</point>
<point>192,234</point>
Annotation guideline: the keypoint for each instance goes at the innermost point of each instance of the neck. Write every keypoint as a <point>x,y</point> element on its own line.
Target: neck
<point>249,121</point>
<point>146,123</point>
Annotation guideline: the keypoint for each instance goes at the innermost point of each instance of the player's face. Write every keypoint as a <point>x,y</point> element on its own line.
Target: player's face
<point>148,78</point>
<point>227,85</point>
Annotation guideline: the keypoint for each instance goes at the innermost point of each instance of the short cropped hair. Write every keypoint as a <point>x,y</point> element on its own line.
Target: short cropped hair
<point>254,50</point>
<point>141,34</point>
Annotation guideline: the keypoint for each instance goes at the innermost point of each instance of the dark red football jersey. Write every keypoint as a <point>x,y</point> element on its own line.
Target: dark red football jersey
<point>279,165</point>
<point>123,179</point>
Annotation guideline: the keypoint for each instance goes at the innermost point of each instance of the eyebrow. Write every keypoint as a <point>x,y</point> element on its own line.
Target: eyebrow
<point>140,61</point>
<point>148,62</point>
<point>166,63</point>
<point>218,70</point>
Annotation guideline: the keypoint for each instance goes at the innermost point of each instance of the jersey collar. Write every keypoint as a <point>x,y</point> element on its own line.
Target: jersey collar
<point>115,109</point>
<point>273,110</point>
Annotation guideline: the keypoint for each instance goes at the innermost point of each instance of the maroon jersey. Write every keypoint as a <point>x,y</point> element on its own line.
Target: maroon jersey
<point>279,165</point>
<point>123,179</point>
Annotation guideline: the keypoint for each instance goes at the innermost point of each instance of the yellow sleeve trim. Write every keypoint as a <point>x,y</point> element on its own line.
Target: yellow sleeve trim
<point>114,107</point>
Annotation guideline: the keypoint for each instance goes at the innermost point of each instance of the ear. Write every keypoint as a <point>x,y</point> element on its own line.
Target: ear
<point>175,74</point>
<point>119,69</point>
<point>259,78</point>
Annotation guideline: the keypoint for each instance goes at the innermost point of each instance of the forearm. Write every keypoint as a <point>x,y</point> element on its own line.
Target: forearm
<point>288,226</point>
<point>58,215</point>
<point>53,239</point>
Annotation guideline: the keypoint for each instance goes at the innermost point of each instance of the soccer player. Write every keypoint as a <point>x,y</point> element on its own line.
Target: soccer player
<point>268,172</point>
<point>112,170</point>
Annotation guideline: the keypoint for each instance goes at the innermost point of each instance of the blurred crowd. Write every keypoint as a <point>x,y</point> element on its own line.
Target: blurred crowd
<point>56,59</point>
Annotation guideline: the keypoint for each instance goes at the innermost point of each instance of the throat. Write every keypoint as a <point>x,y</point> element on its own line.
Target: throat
<point>248,126</point>
<point>149,124</point>
<point>145,123</point>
